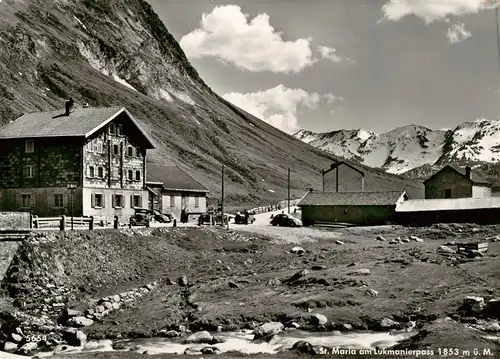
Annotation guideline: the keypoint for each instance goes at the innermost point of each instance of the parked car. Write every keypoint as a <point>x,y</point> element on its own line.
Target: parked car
<point>162,217</point>
<point>285,220</point>
<point>141,217</point>
<point>240,218</point>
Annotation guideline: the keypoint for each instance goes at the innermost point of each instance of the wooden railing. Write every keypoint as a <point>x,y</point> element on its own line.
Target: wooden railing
<point>63,222</point>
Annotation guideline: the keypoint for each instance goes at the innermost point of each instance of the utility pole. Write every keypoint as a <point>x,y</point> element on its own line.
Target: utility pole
<point>288,190</point>
<point>222,199</point>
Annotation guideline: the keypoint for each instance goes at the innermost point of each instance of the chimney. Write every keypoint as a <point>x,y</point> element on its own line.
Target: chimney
<point>467,171</point>
<point>69,106</point>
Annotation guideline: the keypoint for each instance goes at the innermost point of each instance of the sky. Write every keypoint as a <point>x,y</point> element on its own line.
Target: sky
<point>325,65</point>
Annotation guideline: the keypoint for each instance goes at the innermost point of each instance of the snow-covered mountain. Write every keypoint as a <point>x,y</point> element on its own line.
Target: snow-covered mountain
<point>409,147</point>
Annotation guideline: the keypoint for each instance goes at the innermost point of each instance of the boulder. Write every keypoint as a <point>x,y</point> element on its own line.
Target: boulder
<point>233,284</point>
<point>302,346</point>
<point>74,337</point>
<point>28,348</point>
<point>273,282</point>
<point>473,304</point>
<point>388,323</point>
<point>10,347</point>
<point>372,292</point>
<point>363,271</point>
<point>318,319</point>
<point>116,298</point>
<point>169,333</point>
<point>405,240</point>
<point>493,327</point>
<point>150,286</point>
<point>70,313</point>
<point>268,329</point>
<point>200,337</point>
<point>381,239</point>
<point>338,241</point>
<point>297,250</point>
<point>446,249</point>
<point>116,306</point>
<point>394,241</point>
<point>183,281</point>
<point>79,322</point>
<point>16,338</point>
<point>299,275</point>
<point>210,351</point>
<point>347,327</point>
<point>492,308</point>
<point>107,305</point>
<point>416,239</point>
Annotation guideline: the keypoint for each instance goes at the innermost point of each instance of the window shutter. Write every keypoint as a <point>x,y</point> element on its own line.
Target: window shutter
<point>92,200</point>
<point>33,200</point>
<point>113,200</point>
<point>103,198</point>
<point>122,201</point>
<point>140,201</point>
<point>131,201</point>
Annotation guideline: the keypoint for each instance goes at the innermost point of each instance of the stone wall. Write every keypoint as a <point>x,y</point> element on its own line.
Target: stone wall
<point>14,220</point>
<point>55,162</point>
<point>448,179</point>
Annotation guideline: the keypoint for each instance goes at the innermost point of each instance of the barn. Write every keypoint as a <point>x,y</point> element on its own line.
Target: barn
<point>358,208</point>
<point>453,181</point>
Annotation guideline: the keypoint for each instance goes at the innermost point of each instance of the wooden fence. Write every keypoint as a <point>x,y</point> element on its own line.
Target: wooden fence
<point>65,222</point>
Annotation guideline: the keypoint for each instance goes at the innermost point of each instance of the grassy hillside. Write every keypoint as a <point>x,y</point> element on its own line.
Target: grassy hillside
<point>57,49</point>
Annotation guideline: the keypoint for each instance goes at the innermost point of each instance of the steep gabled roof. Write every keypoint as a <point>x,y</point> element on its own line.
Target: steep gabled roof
<point>173,178</point>
<point>337,164</point>
<point>82,122</point>
<point>352,198</point>
<point>475,176</point>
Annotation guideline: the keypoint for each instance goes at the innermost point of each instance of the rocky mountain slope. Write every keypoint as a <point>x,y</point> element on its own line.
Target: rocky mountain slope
<point>118,52</point>
<point>409,147</point>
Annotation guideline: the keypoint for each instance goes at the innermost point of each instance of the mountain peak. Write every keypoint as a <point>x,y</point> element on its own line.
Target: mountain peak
<point>411,146</point>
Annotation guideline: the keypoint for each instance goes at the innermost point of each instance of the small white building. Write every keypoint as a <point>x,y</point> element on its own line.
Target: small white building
<point>171,190</point>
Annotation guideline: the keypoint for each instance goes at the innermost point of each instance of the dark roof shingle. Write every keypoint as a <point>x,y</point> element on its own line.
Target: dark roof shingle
<point>49,124</point>
<point>81,122</point>
<point>173,178</point>
<point>475,175</point>
<point>351,198</point>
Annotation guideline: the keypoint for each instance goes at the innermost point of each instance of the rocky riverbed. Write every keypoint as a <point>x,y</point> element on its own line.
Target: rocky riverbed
<point>65,290</point>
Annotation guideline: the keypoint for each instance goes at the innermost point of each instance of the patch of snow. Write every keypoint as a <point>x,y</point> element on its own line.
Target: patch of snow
<point>165,95</point>
<point>270,190</point>
<point>20,74</point>
<point>122,81</point>
<point>183,97</point>
<point>81,23</point>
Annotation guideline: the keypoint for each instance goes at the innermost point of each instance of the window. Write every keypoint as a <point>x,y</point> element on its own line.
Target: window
<point>119,130</point>
<point>26,200</point>
<point>184,201</point>
<point>130,151</point>
<point>137,201</point>
<point>29,146</point>
<point>100,172</point>
<point>137,175</point>
<point>90,146</point>
<point>137,152</point>
<point>130,175</point>
<point>115,149</point>
<point>28,171</point>
<point>118,201</point>
<point>112,129</point>
<point>447,193</point>
<point>100,146</point>
<point>91,171</point>
<point>97,200</point>
<point>58,200</point>
<point>197,201</point>
<point>172,201</point>
<point>94,142</point>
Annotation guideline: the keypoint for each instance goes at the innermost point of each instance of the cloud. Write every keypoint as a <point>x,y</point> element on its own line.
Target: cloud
<point>434,10</point>
<point>329,53</point>
<point>278,106</point>
<point>249,44</point>
<point>457,33</point>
